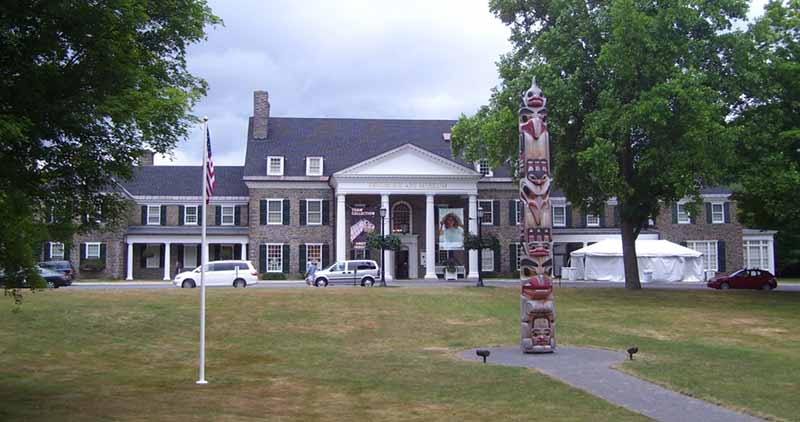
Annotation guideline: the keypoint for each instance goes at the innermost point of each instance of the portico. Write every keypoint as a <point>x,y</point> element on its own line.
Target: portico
<point>409,182</point>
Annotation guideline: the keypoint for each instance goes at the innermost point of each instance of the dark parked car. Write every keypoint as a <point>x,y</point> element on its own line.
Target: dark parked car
<point>61,266</point>
<point>53,279</point>
<point>746,278</point>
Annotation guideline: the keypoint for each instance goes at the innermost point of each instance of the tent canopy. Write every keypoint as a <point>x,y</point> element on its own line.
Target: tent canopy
<point>644,248</point>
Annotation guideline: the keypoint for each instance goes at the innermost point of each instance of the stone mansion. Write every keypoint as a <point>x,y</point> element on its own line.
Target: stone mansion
<point>307,184</point>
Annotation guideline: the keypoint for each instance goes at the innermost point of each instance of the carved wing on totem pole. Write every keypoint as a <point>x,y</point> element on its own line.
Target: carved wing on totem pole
<point>537,307</point>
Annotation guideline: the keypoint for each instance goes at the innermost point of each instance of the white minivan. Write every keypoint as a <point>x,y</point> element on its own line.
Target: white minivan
<point>234,273</point>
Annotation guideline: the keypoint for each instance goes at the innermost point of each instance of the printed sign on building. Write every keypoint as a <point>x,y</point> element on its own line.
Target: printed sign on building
<point>451,229</point>
<point>362,223</point>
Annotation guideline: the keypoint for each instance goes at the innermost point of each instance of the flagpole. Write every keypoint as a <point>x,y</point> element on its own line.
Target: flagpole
<point>203,258</point>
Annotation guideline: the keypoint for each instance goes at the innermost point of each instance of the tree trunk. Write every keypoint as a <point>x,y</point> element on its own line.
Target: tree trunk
<point>629,236</point>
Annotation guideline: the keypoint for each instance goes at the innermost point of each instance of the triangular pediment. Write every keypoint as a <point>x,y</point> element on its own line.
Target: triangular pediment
<point>408,160</point>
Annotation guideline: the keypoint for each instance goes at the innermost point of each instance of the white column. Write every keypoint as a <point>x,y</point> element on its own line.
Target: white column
<point>473,228</point>
<point>430,240</point>
<point>341,217</point>
<point>129,264</point>
<point>244,251</point>
<point>387,255</point>
<point>167,275</point>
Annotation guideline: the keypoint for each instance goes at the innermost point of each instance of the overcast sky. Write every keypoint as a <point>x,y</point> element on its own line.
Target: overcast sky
<point>337,58</point>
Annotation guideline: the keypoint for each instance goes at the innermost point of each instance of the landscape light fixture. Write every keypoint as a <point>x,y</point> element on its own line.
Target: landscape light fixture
<point>632,351</point>
<point>383,270</point>
<point>480,250</point>
<point>483,353</point>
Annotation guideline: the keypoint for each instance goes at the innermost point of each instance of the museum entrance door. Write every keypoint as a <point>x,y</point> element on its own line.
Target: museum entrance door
<point>401,264</point>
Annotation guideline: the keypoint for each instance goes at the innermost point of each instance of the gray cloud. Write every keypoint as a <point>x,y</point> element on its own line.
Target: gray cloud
<point>361,59</point>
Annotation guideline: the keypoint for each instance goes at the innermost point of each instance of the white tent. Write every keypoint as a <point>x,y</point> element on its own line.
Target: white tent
<point>659,260</point>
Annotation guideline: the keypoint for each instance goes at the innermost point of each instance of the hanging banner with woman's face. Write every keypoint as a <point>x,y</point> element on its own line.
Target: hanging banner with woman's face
<point>451,229</point>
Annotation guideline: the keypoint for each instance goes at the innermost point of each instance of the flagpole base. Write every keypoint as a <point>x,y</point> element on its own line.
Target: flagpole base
<point>201,382</point>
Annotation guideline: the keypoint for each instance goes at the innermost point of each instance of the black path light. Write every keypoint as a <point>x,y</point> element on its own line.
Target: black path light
<point>383,247</point>
<point>632,351</point>
<point>480,253</point>
<point>483,353</point>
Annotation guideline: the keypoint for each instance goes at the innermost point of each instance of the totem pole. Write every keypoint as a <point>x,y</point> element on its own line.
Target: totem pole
<point>537,307</point>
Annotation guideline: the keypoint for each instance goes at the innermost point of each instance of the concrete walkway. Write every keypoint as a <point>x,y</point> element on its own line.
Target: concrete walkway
<point>590,370</point>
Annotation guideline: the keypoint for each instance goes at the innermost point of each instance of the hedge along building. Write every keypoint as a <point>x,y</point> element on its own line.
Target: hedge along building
<point>294,201</point>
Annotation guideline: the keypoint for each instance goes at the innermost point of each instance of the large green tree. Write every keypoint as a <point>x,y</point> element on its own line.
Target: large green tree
<point>768,148</point>
<point>85,87</point>
<point>638,92</point>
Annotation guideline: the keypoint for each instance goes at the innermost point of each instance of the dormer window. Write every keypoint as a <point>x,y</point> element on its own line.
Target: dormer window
<point>482,166</point>
<point>313,166</point>
<point>274,166</point>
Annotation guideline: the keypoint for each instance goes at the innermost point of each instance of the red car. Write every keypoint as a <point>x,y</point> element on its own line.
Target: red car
<point>745,278</point>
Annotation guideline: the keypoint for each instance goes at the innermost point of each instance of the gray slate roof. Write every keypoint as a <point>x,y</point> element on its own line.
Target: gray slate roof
<point>184,181</point>
<point>343,142</point>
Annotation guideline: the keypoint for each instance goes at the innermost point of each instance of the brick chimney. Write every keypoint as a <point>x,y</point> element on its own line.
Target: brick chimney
<point>147,158</point>
<point>260,114</point>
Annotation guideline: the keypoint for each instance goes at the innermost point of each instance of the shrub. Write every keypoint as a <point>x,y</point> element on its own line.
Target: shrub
<point>92,265</point>
<point>272,276</point>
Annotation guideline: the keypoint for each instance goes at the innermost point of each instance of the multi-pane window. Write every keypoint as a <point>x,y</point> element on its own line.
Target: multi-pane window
<point>483,168</point>
<point>709,250</point>
<point>359,254</point>
<point>717,213</point>
<point>274,166</point>
<point>756,254</point>
<point>401,219</point>
<point>154,214</point>
<point>228,215</point>
<point>190,215</point>
<point>488,212</point>
<point>313,254</point>
<point>274,211</point>
<point>559,216</point>
<point>520,253</point>
<point>313,166</point>
<point>93,250</point>
<point>442,256</point>
<point>683,214</point>
<point>592,220</point>
<point>56,251</point>
<point>487,260</point>
<point>152,255</point>
<point>274,258</point>
<point>314,212</point>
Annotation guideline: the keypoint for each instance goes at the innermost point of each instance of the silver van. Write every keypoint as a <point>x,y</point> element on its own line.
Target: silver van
<point>359,272</point>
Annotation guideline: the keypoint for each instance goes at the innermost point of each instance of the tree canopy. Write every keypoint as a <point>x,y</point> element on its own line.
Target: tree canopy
<point>638,94</point>
<point>86,88</point>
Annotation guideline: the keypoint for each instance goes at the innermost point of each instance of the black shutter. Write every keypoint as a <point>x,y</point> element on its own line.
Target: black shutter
<point>301,256</point>
<point>582,223</point>
<point>163,215</point>
<point>708,213</point>
<point>216,252</point>
<point>568,215</point>
<point>286,204</point>
<point>161,253</point>
<point>512,212</point>
<point>181,213</point>
<point>602,216</point>
<point>200,214</point>
<point>496,213</point>
<point>142,258</point>
<point>497,260</point>
<point>674,213</point>
<point>180,253</point>
<point>199,254</point>
<point>302,212</point>
<point>616,215</point>
<point>368,253</point>
<point>217,215</point>
<point>103,252</point>
<point>262,258</point>
<point>144,214</point>
<point>262,212</point>
<point>326,256</point>
<point>286,259</point>
<point>721,256</point>
<point>726,210</point>
<point>82,247</point>
<point>46,251</point>
<point>326,211</point>
<point>237,215</point>
<point>512,257</point>
<point>237,251</point>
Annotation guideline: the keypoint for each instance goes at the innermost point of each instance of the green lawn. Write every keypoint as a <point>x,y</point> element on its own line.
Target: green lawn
<point>378,354</point>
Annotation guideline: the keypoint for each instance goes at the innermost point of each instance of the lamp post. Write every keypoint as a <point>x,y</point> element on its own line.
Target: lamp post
<point>480,249</point>
<point>383,239</point>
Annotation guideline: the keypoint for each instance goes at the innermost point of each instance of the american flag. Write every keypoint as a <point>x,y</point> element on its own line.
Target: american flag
<point>210,180</point>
